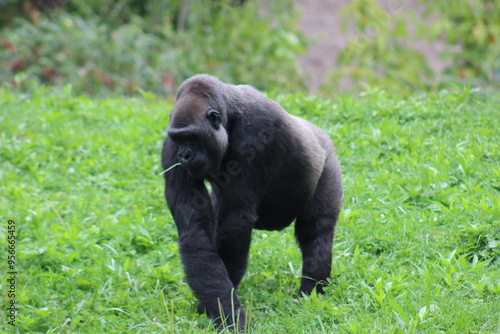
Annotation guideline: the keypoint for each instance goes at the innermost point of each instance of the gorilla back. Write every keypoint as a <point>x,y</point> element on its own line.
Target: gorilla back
<point>266,167</point>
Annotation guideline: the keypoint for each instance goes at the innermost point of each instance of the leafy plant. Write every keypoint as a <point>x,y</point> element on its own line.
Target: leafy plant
<point>379,53</point>
<point>474,25</point>
<point>482,241</point>
<point>98,57</point>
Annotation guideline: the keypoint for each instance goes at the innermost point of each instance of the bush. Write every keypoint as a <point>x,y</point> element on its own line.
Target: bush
<point>97,58</point>
<point>379,55</point>
<point>83,53</point>
<point>475,26</point>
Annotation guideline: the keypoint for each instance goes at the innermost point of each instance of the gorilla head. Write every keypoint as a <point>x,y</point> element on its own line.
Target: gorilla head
<point>198,127</point>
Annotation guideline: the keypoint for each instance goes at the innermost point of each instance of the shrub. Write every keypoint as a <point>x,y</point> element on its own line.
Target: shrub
<point>475,26</point>
<point>379,55</point>
<point>82,52</point>
<point>98,58</point>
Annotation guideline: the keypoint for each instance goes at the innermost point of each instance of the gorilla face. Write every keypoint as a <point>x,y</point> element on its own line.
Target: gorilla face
<point>198,132</point>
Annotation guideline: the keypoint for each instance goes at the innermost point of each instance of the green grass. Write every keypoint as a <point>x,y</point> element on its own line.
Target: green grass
<point>417,246</point>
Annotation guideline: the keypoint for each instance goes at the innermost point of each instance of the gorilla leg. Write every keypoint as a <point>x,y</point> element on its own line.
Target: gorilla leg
<point>316,259</point>
<point>316,247</point>
<point>314,230</point>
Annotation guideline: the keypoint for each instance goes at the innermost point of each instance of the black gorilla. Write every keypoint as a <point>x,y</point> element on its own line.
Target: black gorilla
<point>266,169</point>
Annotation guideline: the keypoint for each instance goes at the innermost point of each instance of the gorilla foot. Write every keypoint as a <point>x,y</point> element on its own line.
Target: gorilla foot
<point>234,322</point>
<point>308,285</point>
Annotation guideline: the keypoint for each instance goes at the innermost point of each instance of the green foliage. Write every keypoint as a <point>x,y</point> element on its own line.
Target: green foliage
<point>416,247</point>
<point>243,45</point>
<point>482,241</point>
<point>475,26</point>
<point>10,8</point>
<point>379,55</point>
<point>86,54</point>
<point>99,57</point>
<point>114,12</point>
<point>119,12</point>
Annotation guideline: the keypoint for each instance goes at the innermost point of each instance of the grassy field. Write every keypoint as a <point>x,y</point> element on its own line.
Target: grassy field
<point>417,246</point>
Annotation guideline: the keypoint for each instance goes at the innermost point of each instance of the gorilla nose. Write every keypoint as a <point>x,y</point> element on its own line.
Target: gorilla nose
<point>185,155</point>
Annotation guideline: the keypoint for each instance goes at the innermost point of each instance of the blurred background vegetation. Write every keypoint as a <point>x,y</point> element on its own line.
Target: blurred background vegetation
<point>129,46</point>
<point>380,55</point>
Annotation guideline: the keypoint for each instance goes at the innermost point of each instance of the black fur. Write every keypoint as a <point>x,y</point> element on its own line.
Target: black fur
<point>267,169</point>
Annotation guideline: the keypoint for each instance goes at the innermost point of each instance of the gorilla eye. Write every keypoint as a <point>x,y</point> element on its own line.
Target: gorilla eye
<point>213,117</point>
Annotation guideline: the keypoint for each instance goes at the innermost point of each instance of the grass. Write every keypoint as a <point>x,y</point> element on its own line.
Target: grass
<point>417,246</point>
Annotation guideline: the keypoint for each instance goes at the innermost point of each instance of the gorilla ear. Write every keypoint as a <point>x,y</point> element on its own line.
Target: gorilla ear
<point>214,118</point>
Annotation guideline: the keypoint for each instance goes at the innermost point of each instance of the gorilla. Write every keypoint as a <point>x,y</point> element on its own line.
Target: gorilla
<point>265,168</point>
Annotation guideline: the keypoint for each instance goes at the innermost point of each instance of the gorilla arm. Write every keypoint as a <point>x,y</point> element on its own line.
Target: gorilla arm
<point>205,271</point>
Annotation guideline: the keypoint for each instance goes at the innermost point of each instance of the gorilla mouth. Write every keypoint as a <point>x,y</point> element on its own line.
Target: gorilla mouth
<point>196,169</point>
